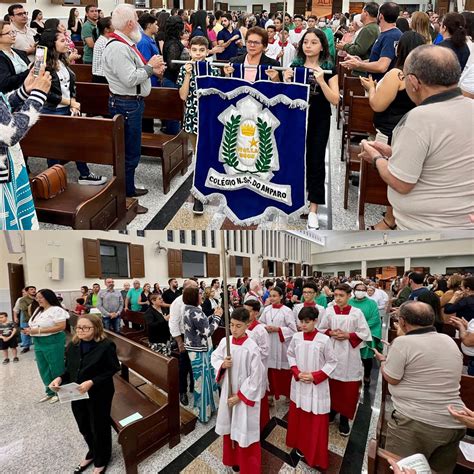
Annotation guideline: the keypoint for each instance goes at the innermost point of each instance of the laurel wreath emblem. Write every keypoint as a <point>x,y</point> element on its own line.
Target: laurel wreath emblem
<point>265,152</point>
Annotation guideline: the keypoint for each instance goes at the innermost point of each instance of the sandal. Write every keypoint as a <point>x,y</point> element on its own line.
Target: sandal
<point>389,227</point>
<point>80,468</point>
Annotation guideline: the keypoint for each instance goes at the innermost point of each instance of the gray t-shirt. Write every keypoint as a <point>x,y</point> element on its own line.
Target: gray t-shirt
<point>433,148</point>
<point>429,366</point>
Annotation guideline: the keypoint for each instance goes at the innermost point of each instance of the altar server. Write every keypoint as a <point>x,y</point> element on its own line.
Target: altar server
<point>257,332</point>
<point>280,325</point>
<point>312,360</point>
<point>238,415</point>
<point>348,330</point>
<point>310,291</point>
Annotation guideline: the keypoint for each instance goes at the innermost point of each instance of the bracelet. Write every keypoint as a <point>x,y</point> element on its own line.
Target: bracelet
<point>378,157</point>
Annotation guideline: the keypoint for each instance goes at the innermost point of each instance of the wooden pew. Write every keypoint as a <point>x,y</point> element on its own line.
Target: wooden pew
<point>349,84</point>
<point>94,140</point>
<point>360,121</point>
<point>137,330</point>
<point>160,423</point>
<point>467,396</point>
<point>83,72</point>
<point>372,190</point>
<point>162,103</point>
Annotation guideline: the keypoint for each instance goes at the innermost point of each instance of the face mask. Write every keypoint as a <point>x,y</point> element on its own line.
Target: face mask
<point>322,24</point>
<point>360,294</point>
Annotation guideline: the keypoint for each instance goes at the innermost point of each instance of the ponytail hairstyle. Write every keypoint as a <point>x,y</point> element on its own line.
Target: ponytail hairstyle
<point>455,25</point>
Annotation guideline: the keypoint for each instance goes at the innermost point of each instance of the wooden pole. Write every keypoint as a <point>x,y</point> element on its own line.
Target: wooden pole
<point>225,301</point>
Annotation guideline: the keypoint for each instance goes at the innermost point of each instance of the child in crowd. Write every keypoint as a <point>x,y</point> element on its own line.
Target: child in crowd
<point>312,361</point>
<point>280,324</point>
<point>80,306</point>
<point>310,291</point>
<point>238,415</point>
<point>257,332</point>
<point>8,338</point>
<point>272,49</point>
<point>186,82</point>
<point>348,330</point>
<point>287,51</point>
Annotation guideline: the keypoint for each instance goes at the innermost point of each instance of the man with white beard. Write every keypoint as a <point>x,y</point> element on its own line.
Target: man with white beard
<point>128,74</point>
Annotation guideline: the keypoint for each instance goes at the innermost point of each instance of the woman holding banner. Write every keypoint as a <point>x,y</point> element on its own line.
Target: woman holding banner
<point>313,54</point>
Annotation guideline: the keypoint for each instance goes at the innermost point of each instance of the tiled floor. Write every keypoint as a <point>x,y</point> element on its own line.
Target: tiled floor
<point>44,438</point>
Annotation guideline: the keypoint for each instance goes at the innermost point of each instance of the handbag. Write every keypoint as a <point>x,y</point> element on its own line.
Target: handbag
<point>49,183</point>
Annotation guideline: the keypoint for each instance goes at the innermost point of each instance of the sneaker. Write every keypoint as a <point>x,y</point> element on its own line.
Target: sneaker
<point>183,398</point>
<point>45,398</point>
<point>15,359</point>
<point>25,350</point>
<point>313,223</point>
<point>332,417</point>
<point>198,207</point>
<point>6,361</point>
<point>54,399</point>
<point>344,428</point>
<point>92,180</point>
<point>299,453</point>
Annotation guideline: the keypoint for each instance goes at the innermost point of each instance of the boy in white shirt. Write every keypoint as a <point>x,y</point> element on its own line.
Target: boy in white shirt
<point>287,50</point>
<point>272,49</point>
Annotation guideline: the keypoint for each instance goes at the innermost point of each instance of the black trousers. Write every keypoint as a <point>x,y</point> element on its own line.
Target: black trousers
<point>93,419</point>
<point>184,370</point>
<point>316,141</point>
<point>368,364</point>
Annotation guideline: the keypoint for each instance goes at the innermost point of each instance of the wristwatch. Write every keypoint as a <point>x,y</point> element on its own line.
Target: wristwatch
<point>378,157</point>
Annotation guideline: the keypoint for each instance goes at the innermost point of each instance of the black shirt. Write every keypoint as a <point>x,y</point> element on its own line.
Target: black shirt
<point>169,296</point>
<point>156,326</point>
<point>462,53</point>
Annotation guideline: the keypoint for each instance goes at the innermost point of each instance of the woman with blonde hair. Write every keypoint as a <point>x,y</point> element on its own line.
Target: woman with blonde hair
<point>91,362</point>
<point>420,22</point>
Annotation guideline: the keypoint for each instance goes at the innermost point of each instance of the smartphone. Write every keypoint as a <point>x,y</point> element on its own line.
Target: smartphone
<point>40,59</point>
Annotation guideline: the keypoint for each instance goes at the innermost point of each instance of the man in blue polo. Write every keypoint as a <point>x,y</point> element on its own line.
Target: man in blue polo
<point>228,38</point>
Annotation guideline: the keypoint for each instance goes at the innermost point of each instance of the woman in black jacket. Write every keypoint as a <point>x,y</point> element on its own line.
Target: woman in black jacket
<point>210,303</point>
<point>91,361</point>
<point>157,327</point>
<point>13,62</point>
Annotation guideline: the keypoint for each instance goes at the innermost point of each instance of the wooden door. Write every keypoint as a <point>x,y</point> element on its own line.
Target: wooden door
<point>92,263</point>
<point>137,261</point>
<point>175,263</point>
<point>298,270</point>
<point>265,268</point>
<point>232,270</point>
<point>16,282</point>
<point>279,269</point>
<point>246,266</point>
<point>213,265</point>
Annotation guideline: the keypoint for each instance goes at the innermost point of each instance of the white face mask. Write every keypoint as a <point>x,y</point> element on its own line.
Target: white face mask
<point>360,294</point>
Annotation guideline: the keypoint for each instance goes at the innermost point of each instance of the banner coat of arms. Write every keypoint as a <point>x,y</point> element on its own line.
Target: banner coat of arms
<point>251,146</point>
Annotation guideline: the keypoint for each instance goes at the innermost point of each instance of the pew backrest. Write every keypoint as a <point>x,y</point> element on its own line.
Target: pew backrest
<point>83,72</point>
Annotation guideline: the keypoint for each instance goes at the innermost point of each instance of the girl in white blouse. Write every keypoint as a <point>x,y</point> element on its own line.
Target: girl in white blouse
<point>47,327</point>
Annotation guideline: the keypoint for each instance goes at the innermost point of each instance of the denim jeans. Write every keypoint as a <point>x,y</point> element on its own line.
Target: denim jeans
<point>25,340</point>
<point>112,324</point>
<point>76,37</point>
<point>80,165</point>
<point>172,126</point>
<point>132,111</point>
<point>470,366</point>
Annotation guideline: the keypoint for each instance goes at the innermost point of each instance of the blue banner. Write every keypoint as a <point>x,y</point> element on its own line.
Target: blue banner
<point>251,145</point>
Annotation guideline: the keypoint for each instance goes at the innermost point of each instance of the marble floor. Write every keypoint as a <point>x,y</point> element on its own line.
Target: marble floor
<point>43,439</point>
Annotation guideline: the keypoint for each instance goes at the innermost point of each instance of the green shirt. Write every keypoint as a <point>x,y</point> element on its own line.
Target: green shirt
<point>362,45</point>
<point>89,30</point>
<point>332,46</point>
<point>134,296</point>
<point>95,296</point>
<point>322,300</point>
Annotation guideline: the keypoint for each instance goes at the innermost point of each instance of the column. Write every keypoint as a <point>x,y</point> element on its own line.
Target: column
<point>363,269</point>
<point>407,264</point>
<point>345,6</point>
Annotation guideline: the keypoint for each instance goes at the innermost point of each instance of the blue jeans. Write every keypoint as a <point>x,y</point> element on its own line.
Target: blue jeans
<point>76,37</point>
<point>172,126</point>
<point>112,324</point>
<point>80,165</point>
<point>132,111</point>
<point>25,340</point>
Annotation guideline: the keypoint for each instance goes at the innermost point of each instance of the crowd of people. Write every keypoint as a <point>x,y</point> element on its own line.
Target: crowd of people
<point>309,340</point>
<point>405,60</point>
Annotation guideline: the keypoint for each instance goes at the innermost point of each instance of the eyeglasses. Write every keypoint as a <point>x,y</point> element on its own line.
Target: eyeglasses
<point>254,43</point>
<point>84,328</point>
<point>402,76</point>
<point>10,33</point>
<point>21,14</point>
<point>308,292</point>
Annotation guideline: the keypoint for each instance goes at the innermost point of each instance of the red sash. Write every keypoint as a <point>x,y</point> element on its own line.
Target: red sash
<point>119,38</point>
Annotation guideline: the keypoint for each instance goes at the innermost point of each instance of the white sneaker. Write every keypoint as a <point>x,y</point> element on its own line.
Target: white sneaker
<point>54,399</point>
<point>313,223</point>
<point>92,180</point>
<point>45,398</point>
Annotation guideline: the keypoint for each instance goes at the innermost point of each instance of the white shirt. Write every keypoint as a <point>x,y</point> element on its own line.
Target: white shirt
<point>176,321</point>
<point>381,298</point>
<point>65,82</point>
<point>295,38</point>
<point>48,318</point>
<point>272,50</point>
<point>469,351</point>
<point>99,46</point>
